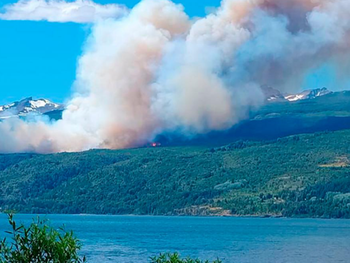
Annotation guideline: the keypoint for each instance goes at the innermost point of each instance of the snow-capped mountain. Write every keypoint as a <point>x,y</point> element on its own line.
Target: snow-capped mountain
<point>308,94</point>
<point>29,105</point>
<point>273,95</point>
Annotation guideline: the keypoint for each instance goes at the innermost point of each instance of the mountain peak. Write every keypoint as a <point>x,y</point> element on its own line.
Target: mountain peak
<point>271,94</point>
<point>274,95</point>
<point>308,94</point>
<point>26,99</point>
<point>29,105</point>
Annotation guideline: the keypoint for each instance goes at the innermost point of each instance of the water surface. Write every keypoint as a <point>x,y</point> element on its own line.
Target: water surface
<point>127,239</point>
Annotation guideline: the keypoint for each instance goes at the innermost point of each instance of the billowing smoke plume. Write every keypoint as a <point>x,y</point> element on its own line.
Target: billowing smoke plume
<point>155,70</point>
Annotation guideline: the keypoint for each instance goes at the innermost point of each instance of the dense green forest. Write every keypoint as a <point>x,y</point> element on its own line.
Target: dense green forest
<point>298,176</point>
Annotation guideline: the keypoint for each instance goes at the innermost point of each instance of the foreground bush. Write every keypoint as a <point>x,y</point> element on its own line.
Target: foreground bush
<point>175,258</point>
<point>39,243</point>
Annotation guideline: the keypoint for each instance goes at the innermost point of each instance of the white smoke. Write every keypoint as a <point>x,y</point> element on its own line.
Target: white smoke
<point>79,11</point>
<point>155,70</point>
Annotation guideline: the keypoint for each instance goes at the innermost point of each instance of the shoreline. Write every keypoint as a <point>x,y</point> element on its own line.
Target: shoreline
<point>181,216</point>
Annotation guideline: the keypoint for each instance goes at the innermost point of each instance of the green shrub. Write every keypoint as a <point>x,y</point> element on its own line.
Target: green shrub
<point>39,243</point>
<point>175,258</point>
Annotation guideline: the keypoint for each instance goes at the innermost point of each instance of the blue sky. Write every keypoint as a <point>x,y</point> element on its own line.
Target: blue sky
<point>39,58</point>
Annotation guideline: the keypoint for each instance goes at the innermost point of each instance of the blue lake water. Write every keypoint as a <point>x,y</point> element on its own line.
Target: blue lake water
<point>129,239</point>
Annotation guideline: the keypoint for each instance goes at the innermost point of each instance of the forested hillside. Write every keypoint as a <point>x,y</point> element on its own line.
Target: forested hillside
<point>301,176</point>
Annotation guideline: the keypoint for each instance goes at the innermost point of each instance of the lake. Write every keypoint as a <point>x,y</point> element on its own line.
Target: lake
<point>129,239</point>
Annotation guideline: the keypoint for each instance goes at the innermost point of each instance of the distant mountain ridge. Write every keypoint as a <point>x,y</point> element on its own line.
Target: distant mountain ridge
<point>276,119</point>
<point>308,94</point>
<point>27,106</point>
<point>274,95</point>
<point>45,106</point>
